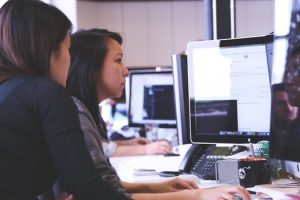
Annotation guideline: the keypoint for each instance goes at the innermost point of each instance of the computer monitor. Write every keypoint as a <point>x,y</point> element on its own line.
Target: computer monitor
<point>285,124</point>
<point>151,99</point>
<point>133,69</point>
<point>229,90</point>
<point>180,73</point>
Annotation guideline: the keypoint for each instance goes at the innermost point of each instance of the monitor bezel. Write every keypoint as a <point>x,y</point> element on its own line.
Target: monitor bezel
<point>180,74</point>
<point>134,72</point>
<point>211,139</point>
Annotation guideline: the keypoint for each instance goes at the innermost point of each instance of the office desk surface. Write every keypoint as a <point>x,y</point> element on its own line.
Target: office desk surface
<point>277,193</point>
<point>132,168</point>
<point>146,168</point>
<point>136,168</point>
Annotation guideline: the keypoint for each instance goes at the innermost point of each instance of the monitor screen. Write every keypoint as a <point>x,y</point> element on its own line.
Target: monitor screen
<point>229,90</point>
<point>151,99</point>
<point>285,122</point>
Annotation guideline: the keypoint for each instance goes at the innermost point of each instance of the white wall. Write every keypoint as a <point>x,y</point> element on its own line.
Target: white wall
<point>254,17</point>
<point>153,31</point>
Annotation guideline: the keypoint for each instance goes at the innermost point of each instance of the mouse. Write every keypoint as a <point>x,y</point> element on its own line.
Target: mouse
<point>171,154</point>
<point>125,128</point>
<point>169,173</point>
<point>236,149</point>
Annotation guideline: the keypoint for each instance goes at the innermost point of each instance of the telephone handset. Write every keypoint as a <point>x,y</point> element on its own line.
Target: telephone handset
<point>200,160</point>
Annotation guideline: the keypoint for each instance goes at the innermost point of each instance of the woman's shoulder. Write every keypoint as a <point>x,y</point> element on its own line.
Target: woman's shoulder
<point>34,86</point>
<point>80,105</point>
<point>43,91</point>
<point>36,82</point>
<point>43,82</point>
<point>46,87</point>
<point>82,109</point>
<point>84,114</point>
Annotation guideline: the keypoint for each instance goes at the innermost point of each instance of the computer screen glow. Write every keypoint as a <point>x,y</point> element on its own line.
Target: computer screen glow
<point>229,88</point>
<point>152,98</point>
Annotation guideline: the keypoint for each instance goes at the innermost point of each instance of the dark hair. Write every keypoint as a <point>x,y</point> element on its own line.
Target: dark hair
<point>278,87</point>
<point>30,30</point>
<point>88,51</point>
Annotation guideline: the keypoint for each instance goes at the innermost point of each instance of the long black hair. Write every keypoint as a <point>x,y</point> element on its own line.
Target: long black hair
<point>88,51</point>
<point>30,30</point>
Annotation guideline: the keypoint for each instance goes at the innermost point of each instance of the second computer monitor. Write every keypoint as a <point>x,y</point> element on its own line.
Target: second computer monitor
<point>180,73</point>
<point>229,90</point>
<point>151,99</point>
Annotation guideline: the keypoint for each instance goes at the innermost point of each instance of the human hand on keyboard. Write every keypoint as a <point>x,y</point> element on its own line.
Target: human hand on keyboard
<point>173,185</point>
<point>158,147</point>
<point>224,193</point>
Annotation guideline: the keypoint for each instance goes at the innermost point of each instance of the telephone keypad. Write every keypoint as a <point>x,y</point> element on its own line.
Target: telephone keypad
<point>205,165</point>
<point>205,169</point>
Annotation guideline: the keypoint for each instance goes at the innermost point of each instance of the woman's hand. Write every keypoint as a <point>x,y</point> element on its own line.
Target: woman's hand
<point>134,141</point>
<point>139,140</point>
<point>65,196</point>
<point>173,185</point>
<point>158,147</point>
<point>223,193</point>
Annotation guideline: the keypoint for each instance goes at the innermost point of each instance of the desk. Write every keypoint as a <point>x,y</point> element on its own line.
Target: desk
<point>126,166</point>
<point>276,193</point>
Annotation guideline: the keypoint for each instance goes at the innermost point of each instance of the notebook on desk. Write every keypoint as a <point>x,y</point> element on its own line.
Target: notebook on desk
<point>276,194</point>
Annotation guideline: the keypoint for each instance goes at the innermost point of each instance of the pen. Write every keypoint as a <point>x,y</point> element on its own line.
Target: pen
<point>251,148</point>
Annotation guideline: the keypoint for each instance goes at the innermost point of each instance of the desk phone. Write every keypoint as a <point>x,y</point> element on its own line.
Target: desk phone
<point>201,158</point>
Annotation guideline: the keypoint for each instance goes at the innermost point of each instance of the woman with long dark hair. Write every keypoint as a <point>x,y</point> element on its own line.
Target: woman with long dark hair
<point>96,73</point>
<point>40,134</point>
